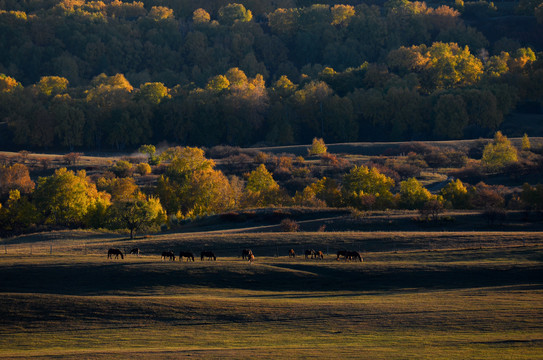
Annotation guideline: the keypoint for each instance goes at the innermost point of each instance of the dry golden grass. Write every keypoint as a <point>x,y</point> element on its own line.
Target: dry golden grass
<point>453,303</point>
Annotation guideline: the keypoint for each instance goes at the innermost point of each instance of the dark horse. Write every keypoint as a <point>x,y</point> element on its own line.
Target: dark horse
<point>207,254</point>
<point>135,251</point>
<point>115,252</point>
<point>168,254</point>
<point>310,252</point>
<point>291,253</point>
<point>246,254</point>
<point>353,255</point>
<point>342,253</point>
<point>186,254</point>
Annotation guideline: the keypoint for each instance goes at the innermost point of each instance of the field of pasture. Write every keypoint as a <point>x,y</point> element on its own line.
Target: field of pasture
<point>417,295</point>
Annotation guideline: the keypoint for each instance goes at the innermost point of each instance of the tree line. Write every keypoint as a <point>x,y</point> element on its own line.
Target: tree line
<point>116,75</point>
<point>189,185</point>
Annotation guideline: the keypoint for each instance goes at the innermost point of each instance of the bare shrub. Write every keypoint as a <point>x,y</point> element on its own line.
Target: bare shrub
<point>283,161</point>
<point>404,168</point>
<point>385,170</point>
<point>240,162</point>
<point>495,215</point>
<point>332,160</point>
<point>23,156</point>
<point>45,163</point>
<point>431,209</point>
<point>289,225</point>
<point>261,157</point>
<point>222,151</point>
<point>72,158</point>
<point>472,170</point>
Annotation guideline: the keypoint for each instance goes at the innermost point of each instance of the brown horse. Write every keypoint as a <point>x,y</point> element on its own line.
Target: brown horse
<point>246,253</point>
<point>251,258</point>
<point>168,254</point>
<point>310,252</point>
<point>291,253</point>
<point>115,252</point>
<point>353,255</point>
<point>186,254</point>
<point>319,255</point>
<point>207,254</point>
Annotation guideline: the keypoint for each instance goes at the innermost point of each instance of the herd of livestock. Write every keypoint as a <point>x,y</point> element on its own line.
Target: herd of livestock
<point>246,254</point>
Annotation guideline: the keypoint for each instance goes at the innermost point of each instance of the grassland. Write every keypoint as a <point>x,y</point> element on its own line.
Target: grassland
<point>465,296</point>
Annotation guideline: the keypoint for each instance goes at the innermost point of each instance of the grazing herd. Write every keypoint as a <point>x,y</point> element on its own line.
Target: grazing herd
<point>246,254</point>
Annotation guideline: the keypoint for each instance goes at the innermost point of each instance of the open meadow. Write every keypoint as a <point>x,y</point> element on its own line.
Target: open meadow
<point>416,296</point>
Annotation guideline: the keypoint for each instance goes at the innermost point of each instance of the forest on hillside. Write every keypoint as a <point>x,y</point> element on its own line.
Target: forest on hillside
<point>113,75</point>
<point>170,189</point>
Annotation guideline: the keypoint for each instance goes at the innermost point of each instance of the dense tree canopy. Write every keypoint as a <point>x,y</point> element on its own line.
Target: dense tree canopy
<point>116,75</point>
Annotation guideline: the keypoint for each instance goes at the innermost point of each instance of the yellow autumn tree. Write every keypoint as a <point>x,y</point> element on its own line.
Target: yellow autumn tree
<point>499,153</point>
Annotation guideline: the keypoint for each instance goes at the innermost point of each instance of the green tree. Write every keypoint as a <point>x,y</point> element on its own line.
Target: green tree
<point>18,214</point>
<point>65,198</point>
<point>532,196</point>
<point>232,13</point>
<point>150,150</point>
<point>135,213</point>
<point>153,93</point>
<point>455,193</point>
<point>413,195</point>
<point>499,153</point>
<point>191,186</point>
<point>317,147</point>
<point>261,189</point>
<point>52,85</point>
<point>218,83</point>
<point>324,190</point>
<point>70,121</point>
<point>450,116</point>
<point>363,185</point>
<point>122,168</point>
<point>525,143</point>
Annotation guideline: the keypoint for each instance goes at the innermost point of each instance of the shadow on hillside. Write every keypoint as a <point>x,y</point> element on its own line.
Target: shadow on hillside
<point>173,278</point>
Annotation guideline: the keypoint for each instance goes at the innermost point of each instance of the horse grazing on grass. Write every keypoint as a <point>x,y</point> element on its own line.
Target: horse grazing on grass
<point>310,252</point>
<point>246,253</point>
<point>186,254</point>
<point>319,255</point>
<point>207,254</point>
<point>135,251</point>
<point>342,253</point>
<point>115,252</point>
<point>291,253</point>
<point>353,255</point>
<point>168,254</point>
<point>251,258</point>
